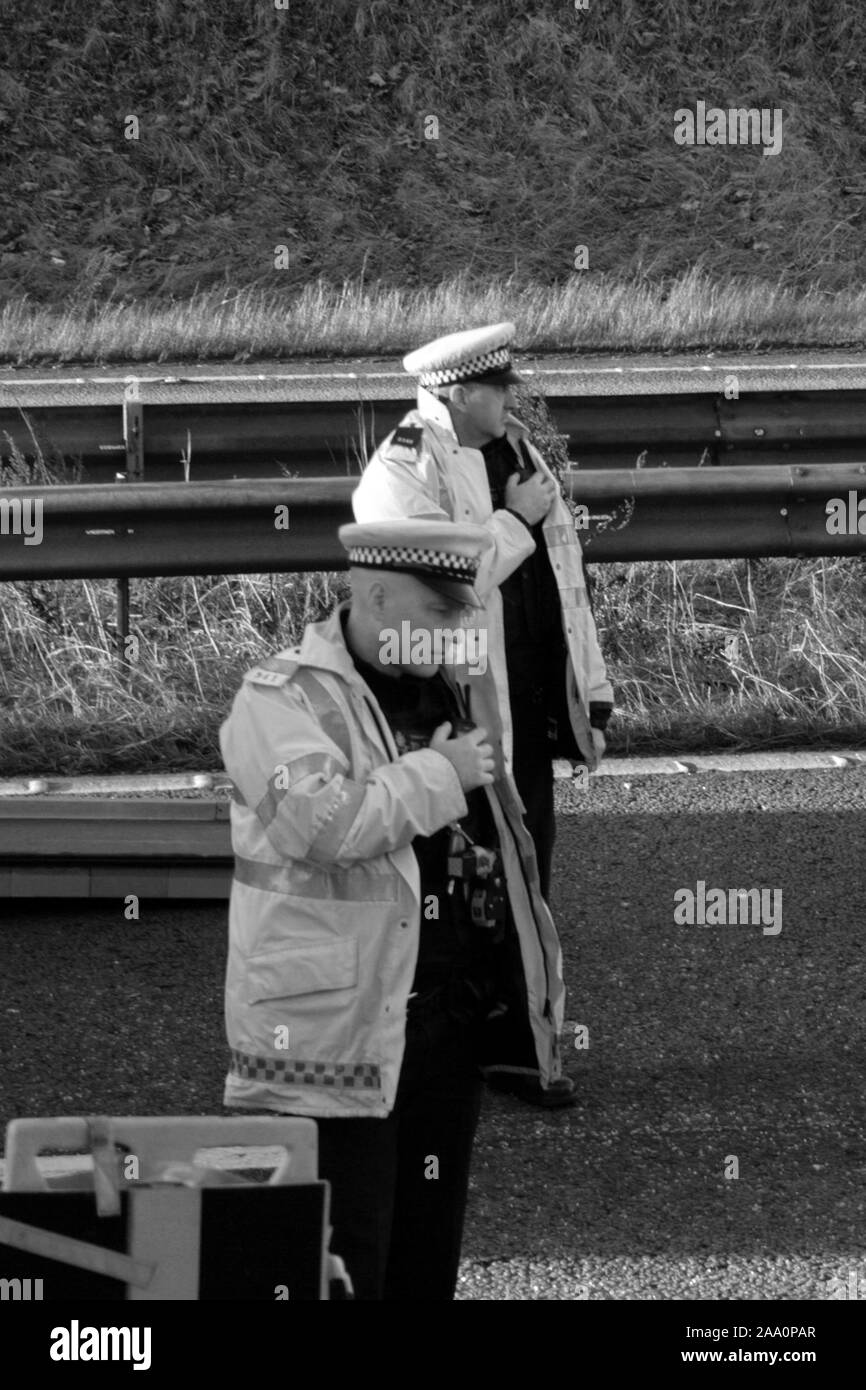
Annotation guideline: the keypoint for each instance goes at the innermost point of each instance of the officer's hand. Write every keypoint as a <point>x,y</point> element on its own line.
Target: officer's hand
<point>532,498</point>
<point>600,742</point>
<point>470,755</point>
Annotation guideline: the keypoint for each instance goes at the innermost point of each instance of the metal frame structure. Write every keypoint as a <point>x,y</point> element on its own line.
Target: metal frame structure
<point>136,529</point>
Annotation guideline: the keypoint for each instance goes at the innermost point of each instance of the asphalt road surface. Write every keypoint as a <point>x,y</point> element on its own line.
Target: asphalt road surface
<point>706,1044</point>
<point>311,379</point>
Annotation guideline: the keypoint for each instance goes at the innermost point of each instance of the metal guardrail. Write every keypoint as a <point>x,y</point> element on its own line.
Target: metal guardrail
<point>139,529</point>
<point>257,426</point>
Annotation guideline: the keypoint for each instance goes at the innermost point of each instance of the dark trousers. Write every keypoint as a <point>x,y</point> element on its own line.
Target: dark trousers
<point>399,1185</point>
<point>533,773</point>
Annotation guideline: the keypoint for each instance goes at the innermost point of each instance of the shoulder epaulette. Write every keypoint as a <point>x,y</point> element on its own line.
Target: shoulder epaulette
<point>276,671</point>
<point>404,444</point>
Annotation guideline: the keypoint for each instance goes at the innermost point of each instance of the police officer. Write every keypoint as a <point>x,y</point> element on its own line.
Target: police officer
<point>463,455</point>
<point>386,917</point>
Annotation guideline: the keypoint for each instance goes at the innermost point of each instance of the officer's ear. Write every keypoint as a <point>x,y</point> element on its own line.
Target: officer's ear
<point>377,597</point>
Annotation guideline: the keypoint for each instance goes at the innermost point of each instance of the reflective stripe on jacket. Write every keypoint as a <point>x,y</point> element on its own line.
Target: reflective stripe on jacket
<point>443,479</point>
<point>325,909</point>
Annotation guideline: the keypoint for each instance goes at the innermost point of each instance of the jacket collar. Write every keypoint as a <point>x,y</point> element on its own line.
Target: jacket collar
<point>515,428</point>
<point>324,646</point>
<point>430,408</point>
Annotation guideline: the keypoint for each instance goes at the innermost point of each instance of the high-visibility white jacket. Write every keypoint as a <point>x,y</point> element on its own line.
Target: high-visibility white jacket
<point>325,910</point>
<point>442,479</point>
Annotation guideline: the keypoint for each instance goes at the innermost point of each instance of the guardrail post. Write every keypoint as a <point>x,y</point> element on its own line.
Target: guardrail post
<point>133,432</point>
<point>123,624</point>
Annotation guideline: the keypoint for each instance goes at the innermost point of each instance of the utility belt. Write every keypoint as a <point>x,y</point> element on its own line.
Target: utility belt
<point>477,874</point>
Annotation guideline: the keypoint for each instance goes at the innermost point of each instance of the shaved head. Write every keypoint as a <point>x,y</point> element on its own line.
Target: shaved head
<point>370,585</point>
<point>385,599</point>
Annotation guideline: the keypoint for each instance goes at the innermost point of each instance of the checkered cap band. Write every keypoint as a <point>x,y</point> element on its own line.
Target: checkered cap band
<point>408,557</point>
<point>497,360</point>
<point>357,1075</point>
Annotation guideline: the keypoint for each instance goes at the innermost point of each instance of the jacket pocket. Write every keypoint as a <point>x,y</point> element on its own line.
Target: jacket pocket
<point>307,968</point>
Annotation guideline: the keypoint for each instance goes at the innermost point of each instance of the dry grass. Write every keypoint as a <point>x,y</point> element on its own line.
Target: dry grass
<point>747,654</point>
<point>579,315</point>
<point>65,705</point>
<point>794,675</point>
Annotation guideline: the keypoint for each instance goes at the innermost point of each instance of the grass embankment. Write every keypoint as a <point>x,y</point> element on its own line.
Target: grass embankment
<point>153,152</point>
